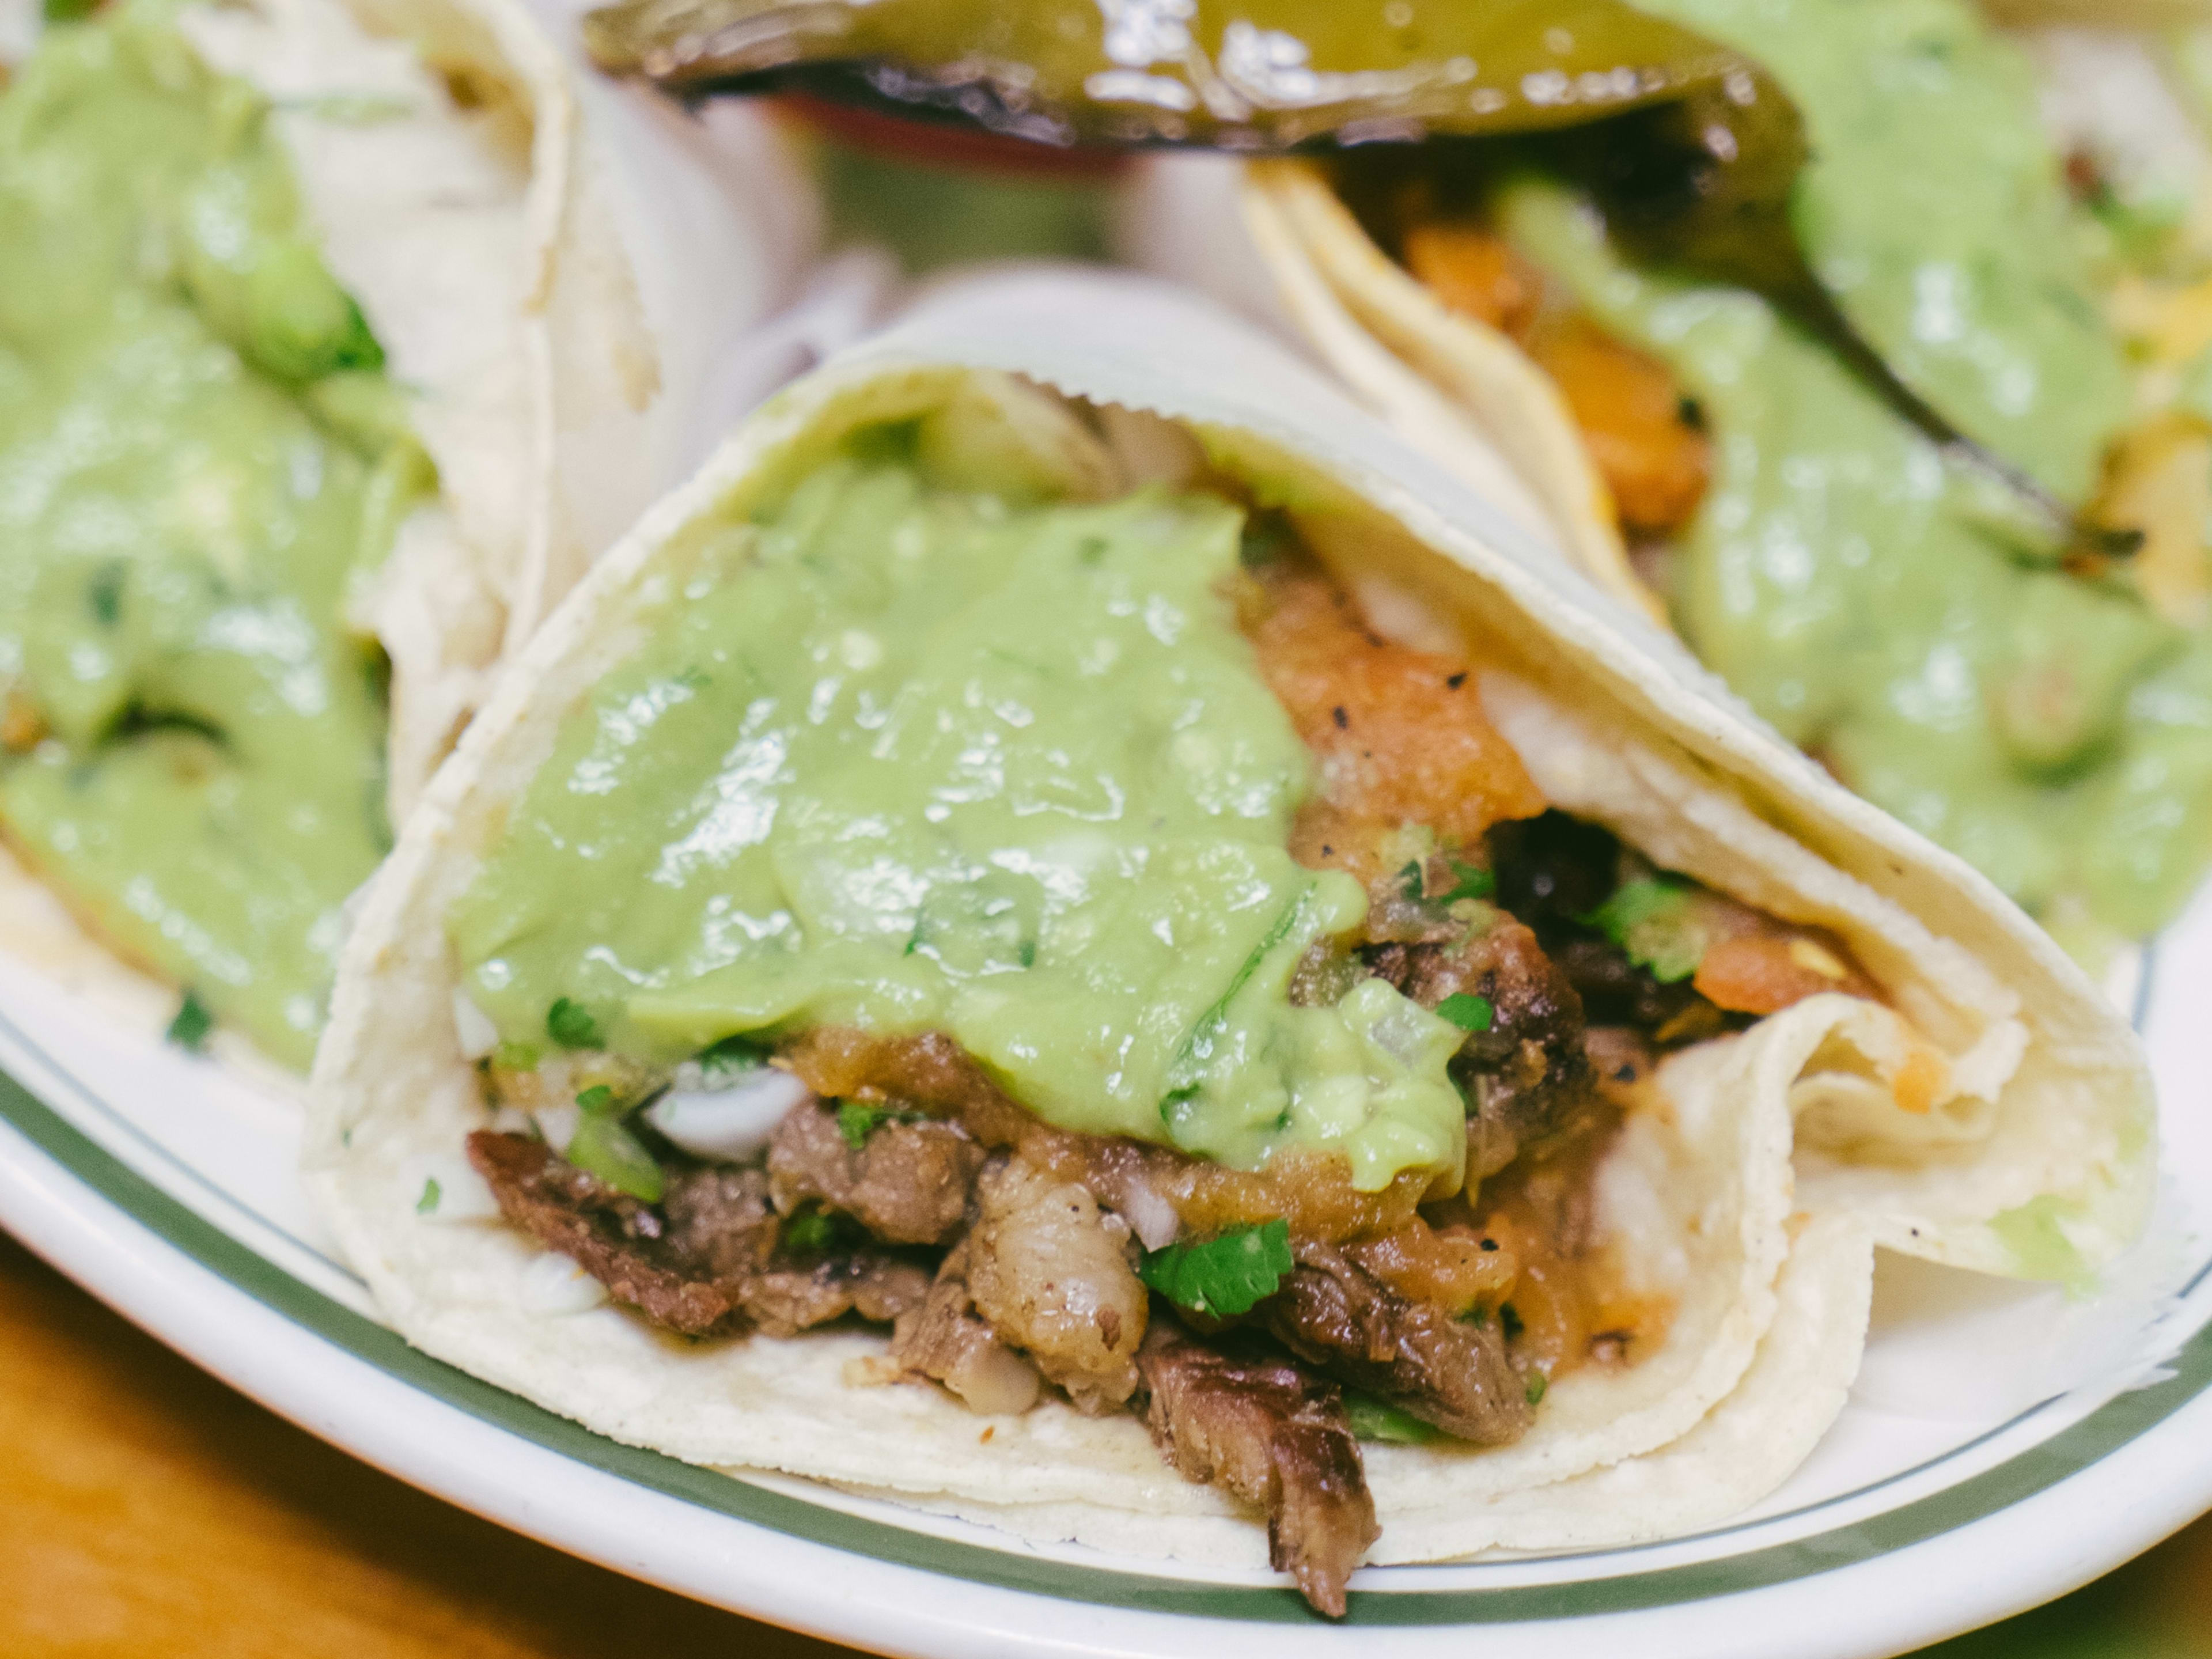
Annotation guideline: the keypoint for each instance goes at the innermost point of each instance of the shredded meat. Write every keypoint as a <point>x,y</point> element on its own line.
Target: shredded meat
<point>704,1261</point>
<point>946,1340</point>
<point>1336,1315</point>
<point>1229,1413</point>
<point>907,1183</point>
<point>1050,1273</point>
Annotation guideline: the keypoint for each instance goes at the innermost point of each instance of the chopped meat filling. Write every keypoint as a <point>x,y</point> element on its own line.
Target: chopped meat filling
<point>1445,1369</point>
<point>948,1341</point>
<point>705,1260</point>
<point>906,1183</point>
<point>1230,1413</point>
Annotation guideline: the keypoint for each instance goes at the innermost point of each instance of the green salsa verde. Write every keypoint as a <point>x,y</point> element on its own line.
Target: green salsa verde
<point>910,757</point>
<point>1876,603</point>
<point>199,458</point>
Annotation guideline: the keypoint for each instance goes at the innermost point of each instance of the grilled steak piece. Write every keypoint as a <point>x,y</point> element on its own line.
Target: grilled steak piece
<point>1233,1415</point>
<point>907,1183</point>
<point>704,1261</point>
<point>1050,1272</point>
<point>944,1338</point>
<point>1337,1317</point>
<point>1524,1072</point>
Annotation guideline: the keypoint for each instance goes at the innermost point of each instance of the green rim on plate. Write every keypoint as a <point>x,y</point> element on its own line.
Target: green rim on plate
<point>2097,1436</point>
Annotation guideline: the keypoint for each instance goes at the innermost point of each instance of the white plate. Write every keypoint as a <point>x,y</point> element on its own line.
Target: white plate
<point>1940,1501</point>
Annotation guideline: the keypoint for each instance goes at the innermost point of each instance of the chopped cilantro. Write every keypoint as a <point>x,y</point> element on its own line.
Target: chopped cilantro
<point>1411,879</point>
<point>1509,1320</point>
<point>1651,920</point>
<point>1224,1276</point>
<point>599,1101</point>
<point>1185,1071</point>
<point>1378,1419</point>
<point>1467,1011</point>
<point>813,1231</point>
<point>857,1121</point>
<point>514,1057</point>
<point>571,1025</point>
<point>603,1147</point>
<point>1469,882</point>
<point>429,1202</point>
<point>731,1056</point>
<point>189,1029</point>
<point>1539,1385</point>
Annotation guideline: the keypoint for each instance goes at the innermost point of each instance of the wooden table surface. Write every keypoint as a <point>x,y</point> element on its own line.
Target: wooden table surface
<point>147,1510</point>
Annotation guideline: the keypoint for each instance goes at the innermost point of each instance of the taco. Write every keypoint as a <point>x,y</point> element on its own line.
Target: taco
<point>1068,901</point>
<point>308,312</point>
<point>1836,481</point>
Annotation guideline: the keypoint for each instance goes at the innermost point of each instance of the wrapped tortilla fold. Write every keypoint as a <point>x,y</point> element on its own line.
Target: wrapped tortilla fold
<point>1929,493</point>
<point>325,368</point>
<point>1131,961</point>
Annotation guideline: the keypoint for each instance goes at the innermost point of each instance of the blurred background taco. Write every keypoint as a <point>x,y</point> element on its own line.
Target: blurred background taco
<point>323,370</point>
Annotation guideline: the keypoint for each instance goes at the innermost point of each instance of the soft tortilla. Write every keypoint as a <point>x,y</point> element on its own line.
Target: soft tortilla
<point>1751,1190</point>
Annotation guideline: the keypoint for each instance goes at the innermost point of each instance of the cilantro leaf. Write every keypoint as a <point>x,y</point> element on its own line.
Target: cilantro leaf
<point>603,1147</point>
<point>731,1056</point>
<point>1225,1276</point>
<point>857,1121</point>
<point>1651,920</point>
<point>1538,1386</point>
<point>1187,1068</point>
<point>598,1100</point>
<point>429,1202</point>
<point>1378,1419</point>
<point>571,1025</point>
<point>1471,1013</point>
<point>813,1231</point>
<point>189,1029</point>
<point>1411,878</point>
<point>1469,882</point>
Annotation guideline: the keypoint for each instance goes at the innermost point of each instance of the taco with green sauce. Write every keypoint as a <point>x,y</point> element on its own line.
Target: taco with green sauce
<point>1815,464</point>
<point>1072,935</point>
<point>306,310</point>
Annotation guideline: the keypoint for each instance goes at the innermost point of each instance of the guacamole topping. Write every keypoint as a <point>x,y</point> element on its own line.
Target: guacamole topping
<point>909,758</point>
<point>1933,210</point>
<point>198,457</point>
<point>1860,593</point>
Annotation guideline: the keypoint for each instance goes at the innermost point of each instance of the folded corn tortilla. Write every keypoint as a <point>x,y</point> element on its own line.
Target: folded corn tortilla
<point>1754,1193</point>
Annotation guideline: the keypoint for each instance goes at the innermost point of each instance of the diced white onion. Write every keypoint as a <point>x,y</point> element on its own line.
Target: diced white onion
<point>478,1035</point>
<point>1150,1216</point>
<point>553,1285</point>
<point>459,1196</point>
<point>727,1126</point>
<point>557,1124</point>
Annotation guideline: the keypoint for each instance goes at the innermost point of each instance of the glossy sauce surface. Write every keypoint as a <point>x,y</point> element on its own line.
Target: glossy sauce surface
<point>910,758</point>
<point>198,456</point>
